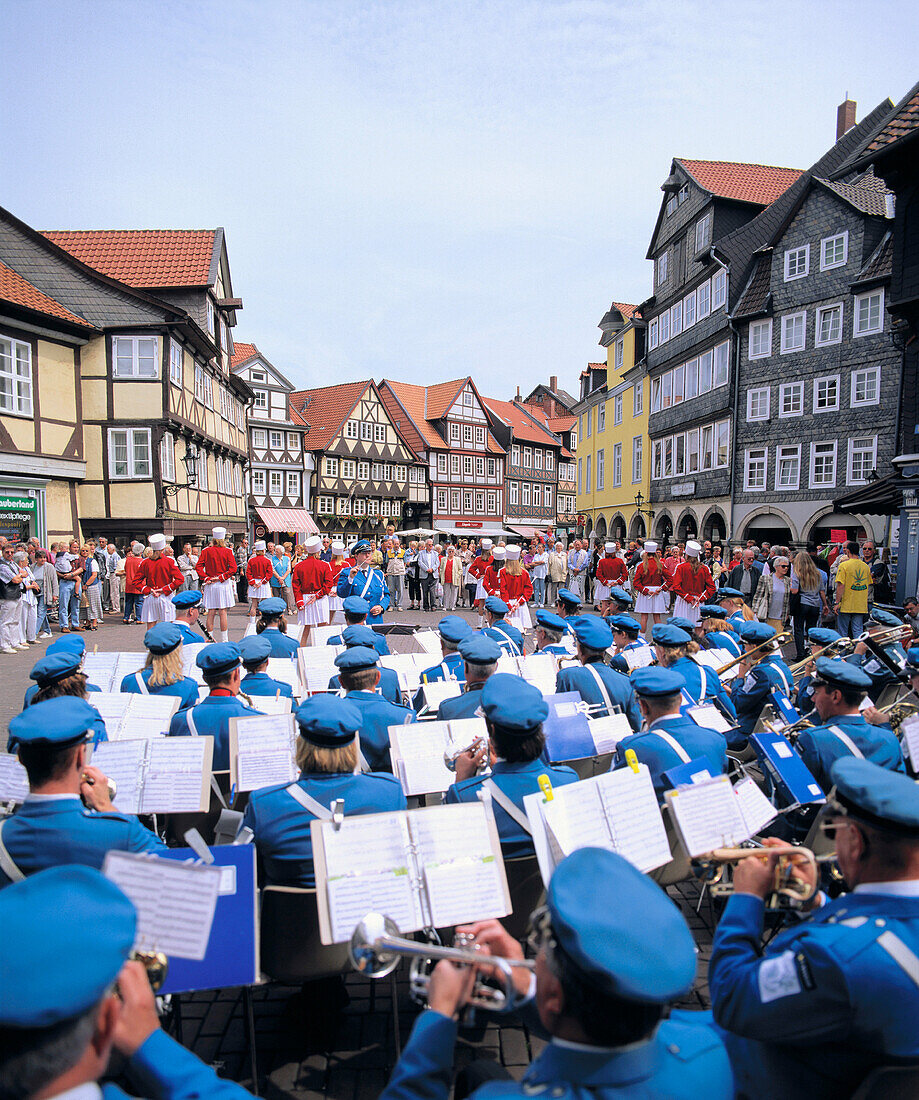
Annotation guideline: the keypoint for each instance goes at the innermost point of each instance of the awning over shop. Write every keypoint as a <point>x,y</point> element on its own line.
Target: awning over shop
<point>466,531</point>
<point>530,532</point>
<point>288,519</point>
<point>881,497</point>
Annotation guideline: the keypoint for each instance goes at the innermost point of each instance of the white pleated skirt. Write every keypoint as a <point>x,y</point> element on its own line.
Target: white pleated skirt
<point>601,592</point>
<point>315,613</point>
<point>480,593</point>
<point>520,617</point>
<point>652,605</point>
<point>336,603</point>
<point>157,609</point>
<point>219,594</point>
<point>686,610</point>
<point>259,591</point>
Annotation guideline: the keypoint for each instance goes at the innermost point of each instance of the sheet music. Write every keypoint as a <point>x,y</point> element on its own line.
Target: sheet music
<point>445,833</point>
<point>14,782</point>
<point>367,844</point>
<point>710,717</point>
<point>576,818</point>
<point>608,731</point>
<point>100,670</point>
<point>909,730</point>
<point>507,664</point>
<point>287,671</point>
<point>419,749</point>
<point>408,667</point>
<point>175,902</point>
<point>190,653</point>
<point>262,749</point>
<point>318,656</point>
<point>638,658</point>
<point>178,775</point>
<point>464,890</point>
<point>352,897</point>
<point>316,680</point>
<point>125,665</point>
<point>128,717</point>
<point>438,690</point>
<point>274,704</point>
<point>755,808</point>
<point>707,815</point>
<point>123,761</point>
<point>319,635</point>
<point>634,817</point>
<point>428,641</point>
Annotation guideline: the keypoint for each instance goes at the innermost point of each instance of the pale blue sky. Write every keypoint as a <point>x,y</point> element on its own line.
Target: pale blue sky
<point>415,189</point>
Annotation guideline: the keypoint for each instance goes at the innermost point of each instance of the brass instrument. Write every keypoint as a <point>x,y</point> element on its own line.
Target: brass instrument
<point>450,756</point>
<point>376,949</point>
<point>156,964</point>
<point>778,640</point>
<point>791,730</point>
<point>787,891</point>
<point>899,710</point>
<point>843,645</point>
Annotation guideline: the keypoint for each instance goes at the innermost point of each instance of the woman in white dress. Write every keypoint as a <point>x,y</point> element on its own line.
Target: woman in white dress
<point>516,589</point>
<point>217,570</point>
<point>338,562</point>
<point>652,597</point>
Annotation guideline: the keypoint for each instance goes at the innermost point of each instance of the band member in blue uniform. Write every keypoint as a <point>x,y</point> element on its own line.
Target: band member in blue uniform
<point>716,630</point>
<point>360,635</point>
<point>254,652</point>
<point>273,626</point>
<point>756,678</point>
<point>732,601</point>
<point>820,637</point>
<point>364,581</point>
<point>67,643</point>
<point>626,633</point>
<point>60,674</point>
<point>835,995</point>
<point>496,627</point>
<point>187,605</point>
<point>668,738</point>
<point>567,605</point>
<point>360,677</point>
<point>514,714</point>
<point>863,658</point>
<point>71,996</point>
<point>280,817</point>
<point>595,681</point>
<point>621,601</point>
<point>480,660</point>
<point>68,816</point>
<point>356,610</point>
<point>219,664</point>
<point>549,631</point>
<point>601,991</point>
<point>452,629</point>
<point>163,674</point>
<point>702,682</point>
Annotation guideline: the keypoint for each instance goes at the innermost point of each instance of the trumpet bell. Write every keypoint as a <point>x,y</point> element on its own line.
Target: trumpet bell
<point>157,966</point>
<point>366,956</point>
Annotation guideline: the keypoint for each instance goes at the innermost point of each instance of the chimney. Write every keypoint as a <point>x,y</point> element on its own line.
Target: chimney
<point>553,383</point>
<point>845,116</point>
<point>517,398</point>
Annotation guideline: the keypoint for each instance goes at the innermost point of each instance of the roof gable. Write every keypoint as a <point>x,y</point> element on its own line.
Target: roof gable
<point>325,410</point>
<point>148,258</point>
<point>247,356</point>
<point>522,422</point>
<point>739,182</point>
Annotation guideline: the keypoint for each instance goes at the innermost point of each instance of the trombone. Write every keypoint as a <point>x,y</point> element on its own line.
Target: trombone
<point>778,640</point>
<point>843,645</point>
<point>787,891</point>
<point>376,949</point>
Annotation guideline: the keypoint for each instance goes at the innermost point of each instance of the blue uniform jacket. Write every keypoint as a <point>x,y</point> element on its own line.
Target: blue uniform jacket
<point>48,832</point>
<point>557,650</point>
<point>617,686</point>
<point>724,639</point>
<point>388,686</point>
<point>185,690</point>
<point>378,715</point>
<point>452,667</point>
<point>508,637</point>
<point>260,683</point>
<point>702,683</point>
<point>462,706</point>
<point>163,1069</point>
<point>825,1003</point>
<point>683,1061</point>
<point>379,643</point>
<point>370,585</point>
<point>751,696</point>
<point>189,637</point>
<point>514,780</point>
<point>820,746</point>
<point>880,674</point>
<point>654,751</point>
<point>211,718</point>
<point>804,701</point>
<point>282,645</point>
<point>282,826</point>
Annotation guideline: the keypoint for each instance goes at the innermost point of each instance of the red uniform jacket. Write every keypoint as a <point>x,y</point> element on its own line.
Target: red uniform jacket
<point>479,566</point>
<point>491,581</point>
<point>691,585</point>
<point>514,590</point>
<point>611,571</point>
<point>216,563</point>
<point>259,569</point>
<point>312,577</point>
<point>160,575</point>
<point>645,577</point>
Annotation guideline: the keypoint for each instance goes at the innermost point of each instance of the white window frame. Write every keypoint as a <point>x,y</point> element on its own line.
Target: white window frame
<point>676,318</point>
<point>833,379</point>
<point>275,483</point>
<point>797,262</point>
<point>128,347</point>
<point>547,496</point>
<point>619,352</point>
<point>363,470</point>
<point>260,400</point>
<point>857,330</point>
<point>351,429</point>
<point>587,479</point>
<point>513,489</point>
<point>851,479</point>
<point>293,442</point>
<point>601,417</point>
<point>813,482</point>
<point>662,268</point>
<point>704,299</point>
<point>601,469</point>
<point>456,432</point>
<point>719,289</point>
<point>819,342</point>
<point>379,433</point>
<point>617,409</point>
<point>258,485</point>
<point>176,362</point>
<point>167,457</point>
<point>782,454</point>
<point>275,435</point>
<point>653,329</point>
<point>525,494</point>
<point>330,468</point>
<point>758,405</point>
<point>763,331</point>
<point>784,389</point>
<point>617,464</point>
<point>703,231</point>
<point>238,479</point>
<point>789,325</point>
<point>131,437</point>
<point>664,320</point>
<point>637,448</point>
<point>689,310</point>
<point>756,460</point>
<point>348,469</point>
<point>853,382</point>
<point>638,398</point>
<point>825,242</point>
<point>16,373</point>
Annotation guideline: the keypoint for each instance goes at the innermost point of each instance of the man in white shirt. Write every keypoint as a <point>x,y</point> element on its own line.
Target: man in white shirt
<point>428,569</point>
<point>577,568</point>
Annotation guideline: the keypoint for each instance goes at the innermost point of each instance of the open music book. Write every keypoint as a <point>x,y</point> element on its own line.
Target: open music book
<point>159,776</point>
<point>437,690</point>
<point>262,751</point>
<point>428,868</point>
<point>317,666</point>
<point>14,782</point>
<point>408,667</point>
<point>190,653</point>
<point>617,810</point>
<point>539,669</point>
<point>273,704</point>
<point>710,717</point>
<point>428,641</point>
<point>287,670</point>
<point>107,670</point>
<point>712,814</point>
<point>128,717</point>
<point>417,752</point>
<point>638,658</point>
<point>319,635</point>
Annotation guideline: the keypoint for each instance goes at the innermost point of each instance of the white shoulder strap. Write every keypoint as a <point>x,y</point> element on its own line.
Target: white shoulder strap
<point>368,583</point>
<point>606,699</point>
<point>673,743</point>
<point>509,807</point>
<point>192,728</point>
<point>139,680</point>
<point>847,741</point>
<point>7,865</point>
<point>308,802</point>
<point>510,640</point>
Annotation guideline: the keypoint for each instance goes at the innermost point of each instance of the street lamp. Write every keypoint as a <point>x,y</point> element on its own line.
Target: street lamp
<point>639,501</point>
<point>191,472</point>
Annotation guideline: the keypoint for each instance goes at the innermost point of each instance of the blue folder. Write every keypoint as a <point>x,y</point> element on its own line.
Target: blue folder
<point>568,737</point>
<point>790,775</point>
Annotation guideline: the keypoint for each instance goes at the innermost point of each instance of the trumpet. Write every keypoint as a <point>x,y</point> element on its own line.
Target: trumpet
<point>899,710</point>
<point>156,964</point>
<point>376,949</point>
<point>787,891</point>
<point>792,730</point>
<point>450,755</point>
<point>778,640</point>
<point>840,646</point>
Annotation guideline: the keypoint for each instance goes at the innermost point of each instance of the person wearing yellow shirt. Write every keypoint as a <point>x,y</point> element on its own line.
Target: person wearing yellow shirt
<point>853,579</point>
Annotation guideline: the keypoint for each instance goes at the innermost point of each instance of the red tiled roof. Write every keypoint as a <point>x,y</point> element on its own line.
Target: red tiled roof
<point>522,425</point>
<point>20,292</point>
<point>412,398</point>
<point>626,309</point>
<point>442,396</point>
<point>325,410</point>
<point>904,122</point>
<point>759,183</point>
<point>561,423</point>
<point>596,366</point>
<point>436,401</point>
<point>143,257</point>
<point>242,352</point>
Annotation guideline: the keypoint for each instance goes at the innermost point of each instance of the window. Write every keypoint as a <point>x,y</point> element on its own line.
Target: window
<point>167,458</point>
<point>528,456</point>
<point>668,457</point>
<point>791,399</point>
<point>862,457</point>
<point>275,483</point>
<point>467,465</point>
<point>258,486</point>
<point>387,471</point>
<point>261,396</point>
<point>15,377</point>
<point>467,434</point>
<point>759,344</point>
<point>401,473</point>
<point>479,503</point>
<point>722,442</point>
<point>787,467</point>
<point>797,262</point>
<point>550,460</point>
<point>467,398</point>
<point>210,317</point>
<point>721,365</point>
<point>580,470</point>
<point>363,471</point>
<point>869,313</point>
<point>344,506</point>
<point>601,417</point>
<point>638,398</point>
<point>823,464</point>
<point>704,299</point>
<point>324,506</point>
<point>547,496</point>
<point>617,464</point>
<point>619,354</point>
<point>537,461</point>
<point>455,463</point>
<point>129,452</point>
<point>135,357</point>
<point>834,251</point>
<point>601,469</point>
<point>351,429</point>
<point>676,319</point>
<point>441,464</point>
<point>467,502</point>
<point>663,268</point>
<point>238,479</point>
<point>293,441</point>
<point>491,499</point>
<point>828,326</point>
<point>537,496</point>
<point>755,469</point>
<point>719,289</point>
<point>636,458</point>
<point>379,433</point>
<point>221,484</point>
<point>653,335</point>
<point>455,500</point>
<point>617,409</point>
<point>525,494</point>
<point>331,467</point>
<point>276,440</point>
<point>258,376</point>
<point>587,419</point>
<point>826,394</point>
<point>587,476</point>
<point>175,362</point>
<point>514,490</point>
<point>667,390</point>
<point>689,310</point>
<point>208,391</point>
<point>456,432</point>
<point>708,448</point>
<point>348,469</point>
<point>480,437</point>
<point>758,403</point>
<point>691,379</point>
<point>692,451</point>
<point>515,455</point>
<point>664,320</point>
<point>865,387</point>
<point>793,328</point>
<point>705,372</point>
<point>373,507</point>
<point>703,232</point>
<point>657,450</point>
<point>201,467</point>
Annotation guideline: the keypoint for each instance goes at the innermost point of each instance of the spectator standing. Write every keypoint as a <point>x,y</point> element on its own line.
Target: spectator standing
<point>412,576</point>
<point>578,560</point>
<point>395,577</point>
<point>28,604</point>
<point>280,576</point>
<point>114,571</point>
<point>428,569</point>
<point>241,554</point>
<point>539,570</point>
<point>773,595</point>
<point>11,581</point>
<point>133,598</point>
<point>92,587</point>
<point>557,573</point>
<point>808,587</point>
<point>853,579</point>
<point>745,575</point>
<point>451,576</point>
<point>69,568</point>
<point>326,554</point>
<point>880,576</point>
<point>187,562</point>
<point>44,574</point>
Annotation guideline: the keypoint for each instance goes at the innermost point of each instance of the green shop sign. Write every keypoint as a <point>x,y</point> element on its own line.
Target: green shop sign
<point>21,508</point>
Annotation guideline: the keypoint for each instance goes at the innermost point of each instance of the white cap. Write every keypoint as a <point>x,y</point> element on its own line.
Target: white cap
<point>157,542</point>
<point>219,532</point>
<point>650,547</point>
<point>487,544</point>
<point>693,549</point>
<point>512,552</point>
<point>313,543</point>
<point>259,546</point>
<point>337,548</point>
<point>499,552</point>
<point>609,547</point>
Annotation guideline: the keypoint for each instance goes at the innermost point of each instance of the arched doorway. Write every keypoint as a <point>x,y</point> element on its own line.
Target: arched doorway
<point>600,529</point>
<point>637,527</point>
<point>686,528</point>
<point>617,528</point>
<point>714,527</point>
<point>824,527</point>
<point>769,527</point>
<point>664,527</point>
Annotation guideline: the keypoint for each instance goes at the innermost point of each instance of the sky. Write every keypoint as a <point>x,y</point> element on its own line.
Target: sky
<point>421,190</point>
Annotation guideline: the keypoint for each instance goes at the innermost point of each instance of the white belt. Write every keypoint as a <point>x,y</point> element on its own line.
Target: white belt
<point>509,807</point>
